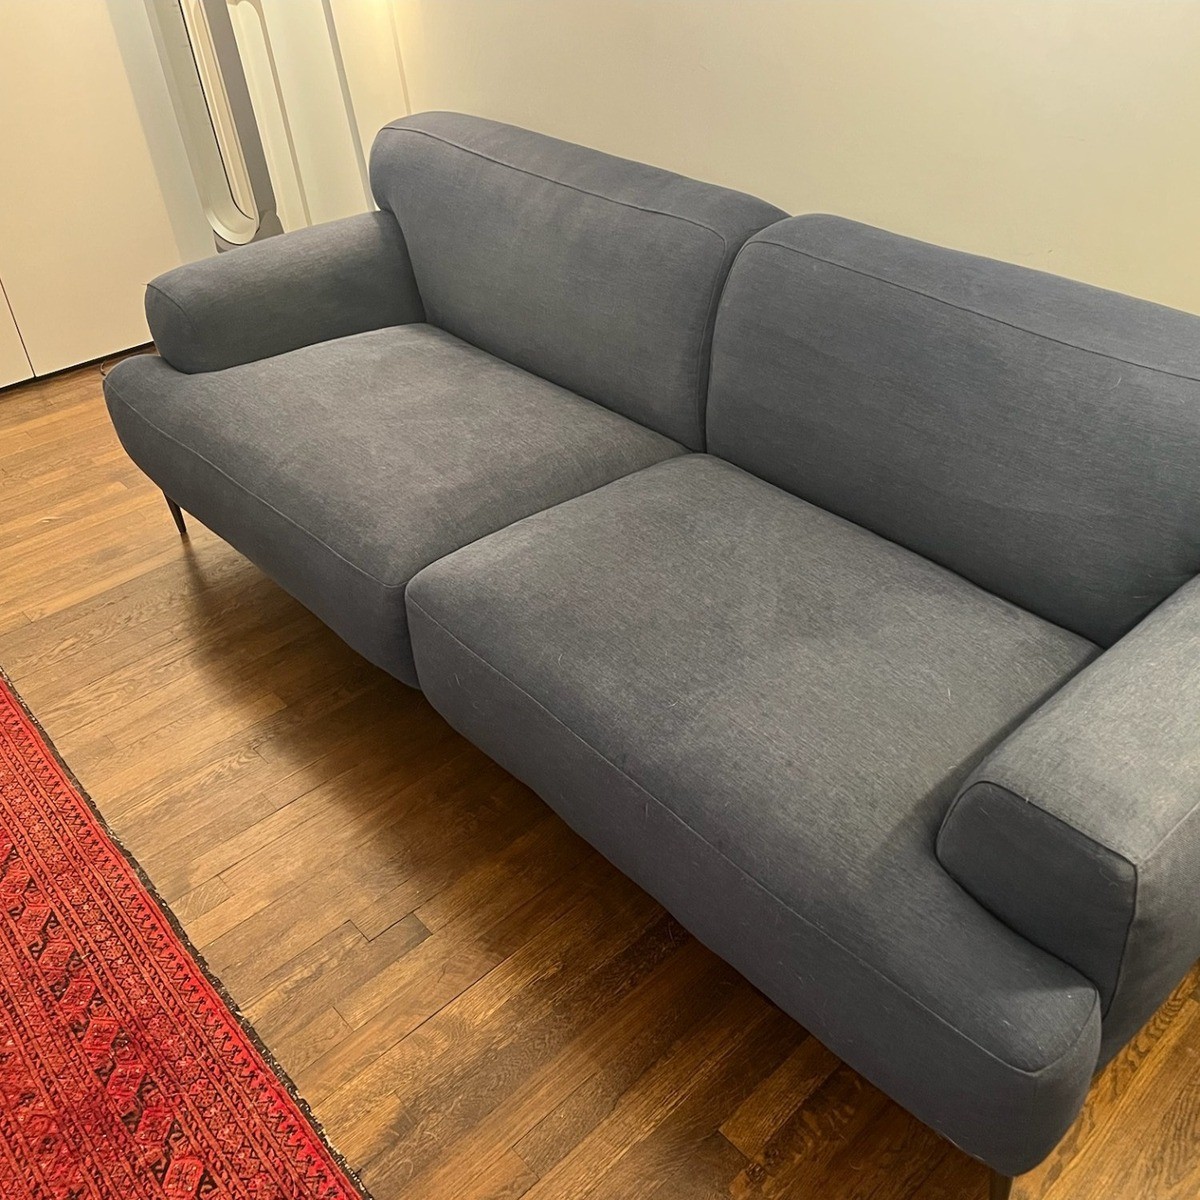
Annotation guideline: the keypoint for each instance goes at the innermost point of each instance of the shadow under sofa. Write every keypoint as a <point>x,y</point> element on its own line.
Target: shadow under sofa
<point>835,586</point>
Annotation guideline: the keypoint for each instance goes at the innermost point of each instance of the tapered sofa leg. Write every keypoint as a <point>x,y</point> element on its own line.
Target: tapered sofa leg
<point>1001,1186</point>
<point>177,513</point>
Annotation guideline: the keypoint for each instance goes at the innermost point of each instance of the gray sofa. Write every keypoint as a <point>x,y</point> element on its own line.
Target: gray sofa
<point>839,588</point>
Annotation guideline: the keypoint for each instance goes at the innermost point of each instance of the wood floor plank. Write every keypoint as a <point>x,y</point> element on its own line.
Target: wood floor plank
<point>477,1005</point>
<point>629,1040</point>
<point>760,1116</point>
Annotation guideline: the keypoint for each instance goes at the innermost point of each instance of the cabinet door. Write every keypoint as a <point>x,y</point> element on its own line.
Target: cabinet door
<point>14,366</point>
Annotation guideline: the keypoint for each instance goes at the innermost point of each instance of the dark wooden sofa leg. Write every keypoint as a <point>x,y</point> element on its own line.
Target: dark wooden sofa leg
<point>177,513</point>
<point>1001,1187</point>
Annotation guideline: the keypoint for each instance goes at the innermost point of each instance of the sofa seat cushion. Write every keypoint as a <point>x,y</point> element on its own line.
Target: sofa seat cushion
<point>761,712</point>
<point>344,467</point>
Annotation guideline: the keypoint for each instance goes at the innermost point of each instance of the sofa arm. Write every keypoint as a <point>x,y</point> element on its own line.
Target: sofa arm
<point>288,291</point>
<point>1081,831</point>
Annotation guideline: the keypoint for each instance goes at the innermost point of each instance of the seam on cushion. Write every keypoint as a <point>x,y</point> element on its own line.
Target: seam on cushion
<point>1187,816</point>
<point>1031,1074</point>
<point>1021,799</point>
<point>722,302</point>
<point>390,587</point>
<point>1123,964</point>
<point>1137,895</point>
<point>1128,362</point>
<point>707,333</point>
<point>183,312</point>
<point>658,212</point>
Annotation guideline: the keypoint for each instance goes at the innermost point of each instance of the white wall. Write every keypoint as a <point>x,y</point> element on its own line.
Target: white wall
<point>96,192</point>
<point>1063,134</point>
<point>322,81</point>
<point>14,365</point>
<point>370,46</point>
<point>305,77</point>
<point>85,218</point>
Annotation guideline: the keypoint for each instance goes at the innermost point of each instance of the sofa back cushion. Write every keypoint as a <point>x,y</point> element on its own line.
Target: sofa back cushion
<point>599,274</point>
<point>1035,435</point>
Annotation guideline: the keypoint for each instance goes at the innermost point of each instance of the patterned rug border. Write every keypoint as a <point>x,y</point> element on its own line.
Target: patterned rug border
<point>173,921</point>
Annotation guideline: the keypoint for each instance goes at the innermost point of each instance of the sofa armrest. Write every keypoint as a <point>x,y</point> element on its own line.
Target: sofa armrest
<point>1082,830</point>
<point>288,291</point>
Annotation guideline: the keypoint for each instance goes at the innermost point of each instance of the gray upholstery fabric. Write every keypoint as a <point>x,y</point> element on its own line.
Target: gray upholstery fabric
<point>1082,831</point>
<point>1035,435</point>
<point>761,712</point>
<point>283,293</point>
<point>343,468</point>
<point>595,272</point>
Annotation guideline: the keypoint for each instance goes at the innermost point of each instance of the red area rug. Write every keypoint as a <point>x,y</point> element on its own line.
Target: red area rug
<point>124,1072</point>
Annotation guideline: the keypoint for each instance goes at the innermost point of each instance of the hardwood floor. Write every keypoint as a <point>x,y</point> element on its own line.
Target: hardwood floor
<point>476,1005</point>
